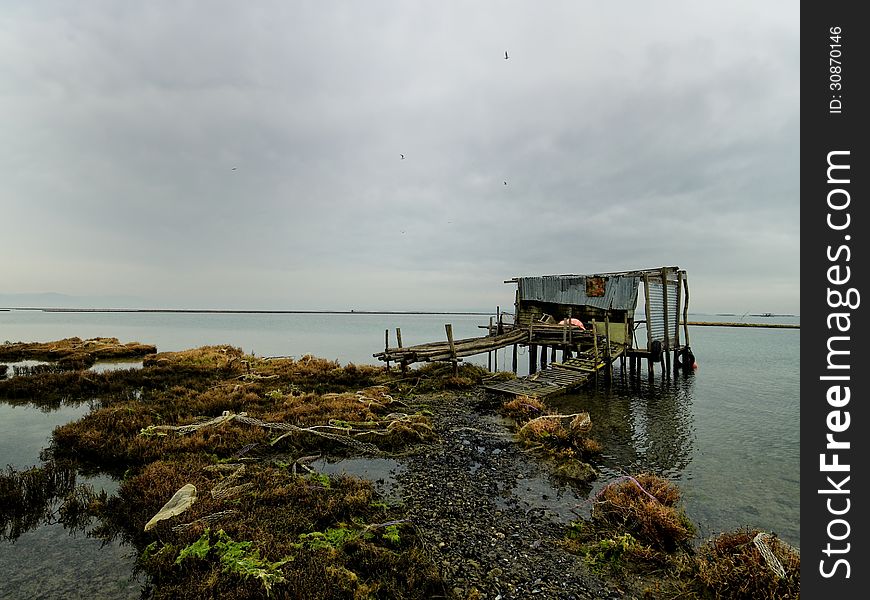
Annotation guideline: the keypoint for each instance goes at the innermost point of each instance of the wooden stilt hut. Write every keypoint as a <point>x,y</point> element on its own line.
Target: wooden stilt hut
<point>607,304</point>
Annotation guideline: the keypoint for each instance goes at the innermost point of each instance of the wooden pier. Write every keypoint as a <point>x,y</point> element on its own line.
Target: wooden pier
<point>560,377</point>
<point>451,350</point>
<point>590,319</point>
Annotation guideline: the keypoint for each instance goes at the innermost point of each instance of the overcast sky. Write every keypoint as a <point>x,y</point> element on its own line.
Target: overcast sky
<point>248,154</point>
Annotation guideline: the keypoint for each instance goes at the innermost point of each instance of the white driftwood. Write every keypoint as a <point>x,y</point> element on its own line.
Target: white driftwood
<point>180,502</point>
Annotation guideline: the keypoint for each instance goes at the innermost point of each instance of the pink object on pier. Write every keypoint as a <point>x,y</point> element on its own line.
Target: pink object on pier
<point>573,322</point>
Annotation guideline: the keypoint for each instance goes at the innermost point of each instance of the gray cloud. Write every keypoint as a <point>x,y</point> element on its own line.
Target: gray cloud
<point>231,155</point>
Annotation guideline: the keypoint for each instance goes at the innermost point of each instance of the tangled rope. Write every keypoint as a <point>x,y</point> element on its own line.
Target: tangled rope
<point>318,430</point>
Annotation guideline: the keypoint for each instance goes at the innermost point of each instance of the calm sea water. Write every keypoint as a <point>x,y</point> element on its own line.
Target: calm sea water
<point>728,434</point>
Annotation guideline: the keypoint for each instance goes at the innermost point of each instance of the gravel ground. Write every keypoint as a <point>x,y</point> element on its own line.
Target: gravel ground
<point>487,511</point>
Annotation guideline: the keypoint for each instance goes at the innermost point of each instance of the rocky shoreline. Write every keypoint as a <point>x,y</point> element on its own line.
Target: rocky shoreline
<point>477,500</point>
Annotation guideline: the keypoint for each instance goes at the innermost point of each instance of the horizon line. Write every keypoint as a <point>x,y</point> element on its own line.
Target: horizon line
<point>245,311</point>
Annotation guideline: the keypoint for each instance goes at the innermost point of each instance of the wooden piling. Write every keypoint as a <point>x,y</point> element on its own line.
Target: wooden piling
<point>514,362</point>
<point>666,349</point>
<point>402,364</point>
<point>626,341</point>
<point>595,349</point>
<point>686,310</point>
<point>607,348</point>
<point>387,347</point>
<point>449,328</point>
<point>533,358</point>
<point>489,354</point>
<point>677,321</point>
<point>649,365</point>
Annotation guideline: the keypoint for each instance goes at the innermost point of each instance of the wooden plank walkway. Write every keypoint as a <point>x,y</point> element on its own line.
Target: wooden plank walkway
<point>558,378</point>
<point>440,351</point>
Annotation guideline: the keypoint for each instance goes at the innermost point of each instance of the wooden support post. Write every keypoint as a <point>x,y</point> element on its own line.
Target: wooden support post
<point>489,354</point>
<point>449,328</point>
<point>666,345</point>
<point>387,347</point>
<point>666,356</point>
<point>594,343</point>
<point>686,310</point>
<point>533,358</point>
<point>595,349</point>
<point>514,364</point>
<point>677,315</point>
<point>570,329</point>
<point>649,365</point>
<point>607,349</point>
<point>626,341</point>
<point>565,339</point>
<point>543,356</point>
<point>403,365</point>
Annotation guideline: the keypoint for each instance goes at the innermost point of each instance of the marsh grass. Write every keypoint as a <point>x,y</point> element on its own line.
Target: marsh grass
<point>562,439</point>
<point>638,529</point>
<point>648,507</point>
<point>268,529</point>
<point>731,566</point>
<point>29,497</point>
<point>287,533</point>
<point>74,350</point>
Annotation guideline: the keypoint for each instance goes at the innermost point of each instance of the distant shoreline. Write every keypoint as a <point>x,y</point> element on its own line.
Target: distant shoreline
<point>243,312</point>
<point>773,325</point>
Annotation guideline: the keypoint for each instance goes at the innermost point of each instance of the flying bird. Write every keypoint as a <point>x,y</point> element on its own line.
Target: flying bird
<point>505,182</point>
<point>506,55</point>
<point>403,156</point>
<point>234,168</point>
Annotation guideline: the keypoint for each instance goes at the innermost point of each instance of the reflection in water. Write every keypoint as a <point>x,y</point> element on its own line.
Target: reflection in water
<point>29,498</point>
<point>649,427</point>
<point>44,516</point>
<point>381,471</point>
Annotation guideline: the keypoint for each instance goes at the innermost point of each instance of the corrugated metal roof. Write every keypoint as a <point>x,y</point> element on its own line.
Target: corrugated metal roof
<point>620,291</point>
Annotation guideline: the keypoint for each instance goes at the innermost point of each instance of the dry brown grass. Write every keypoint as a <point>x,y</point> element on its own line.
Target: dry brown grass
<point>647,507</point>
<point>275,513</point>
<point>731,566</point>
<point>74,349</point>
<point>524,408</point>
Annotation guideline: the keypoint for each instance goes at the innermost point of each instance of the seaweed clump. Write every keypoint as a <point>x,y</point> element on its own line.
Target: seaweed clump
<point>563,438</point>
<point>647,506</point>
<point>637,527</point>
<point>746,564</point>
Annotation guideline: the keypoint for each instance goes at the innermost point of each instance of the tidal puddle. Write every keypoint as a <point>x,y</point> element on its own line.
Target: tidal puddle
<point>48,562</point>
<point>103,367</point>
<point>381,471</point>
<point>22,367</point>
<point>29,367</point>
<point>538,494</point>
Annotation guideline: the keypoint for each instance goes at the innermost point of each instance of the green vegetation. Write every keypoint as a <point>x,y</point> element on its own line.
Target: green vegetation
<point>240,429</point>
<point>638,530</point>
<point>563,439</point>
